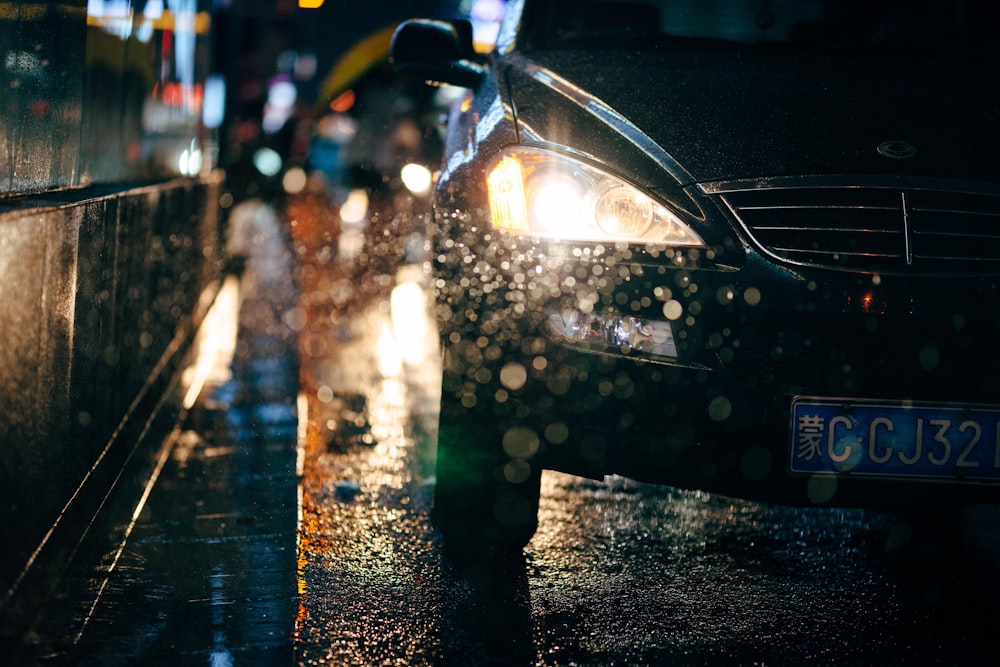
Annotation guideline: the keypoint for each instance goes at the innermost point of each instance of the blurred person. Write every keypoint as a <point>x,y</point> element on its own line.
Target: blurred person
<point>314,224</point>
<point>396,124</point>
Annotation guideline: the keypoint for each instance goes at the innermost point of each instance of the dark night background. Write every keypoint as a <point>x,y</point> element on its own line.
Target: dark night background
<point>260,30</point>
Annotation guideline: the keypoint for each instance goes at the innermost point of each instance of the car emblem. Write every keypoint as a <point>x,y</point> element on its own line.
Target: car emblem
<point>897,150</point>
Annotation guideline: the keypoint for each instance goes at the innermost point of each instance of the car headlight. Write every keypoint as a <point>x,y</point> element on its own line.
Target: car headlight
<point>540,193</point>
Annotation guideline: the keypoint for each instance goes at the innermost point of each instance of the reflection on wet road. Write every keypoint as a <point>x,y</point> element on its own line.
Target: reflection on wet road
<point>619,572</point>
<point>332,402</point>
<point>206,573</point>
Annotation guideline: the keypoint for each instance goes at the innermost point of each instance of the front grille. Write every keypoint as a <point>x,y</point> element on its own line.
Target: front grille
<point>874,229</point>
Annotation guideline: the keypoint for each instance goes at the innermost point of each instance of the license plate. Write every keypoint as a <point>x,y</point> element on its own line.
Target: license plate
<point>893,439</point>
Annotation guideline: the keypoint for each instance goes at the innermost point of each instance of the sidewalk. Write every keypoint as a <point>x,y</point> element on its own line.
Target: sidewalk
<point>207,574</point>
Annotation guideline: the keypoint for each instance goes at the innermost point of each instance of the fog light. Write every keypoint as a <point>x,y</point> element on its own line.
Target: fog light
<point>612,331</point>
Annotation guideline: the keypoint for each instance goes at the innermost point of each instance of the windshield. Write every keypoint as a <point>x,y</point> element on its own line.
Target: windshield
<point>952,28</point>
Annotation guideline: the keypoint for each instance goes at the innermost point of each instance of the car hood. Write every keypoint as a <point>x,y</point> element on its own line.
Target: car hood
<point>727,115</point>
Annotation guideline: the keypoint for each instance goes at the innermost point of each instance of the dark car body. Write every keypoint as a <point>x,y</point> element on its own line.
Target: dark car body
<point>816,324</point>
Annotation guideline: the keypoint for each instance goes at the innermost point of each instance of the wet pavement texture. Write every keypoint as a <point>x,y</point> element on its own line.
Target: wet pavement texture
<point>207,571</point>
<point>290,524</point>
<point>619,573</point>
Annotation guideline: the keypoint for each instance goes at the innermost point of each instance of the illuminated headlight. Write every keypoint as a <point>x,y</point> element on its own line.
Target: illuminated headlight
<point>615,333</point>
<point>540,193</point>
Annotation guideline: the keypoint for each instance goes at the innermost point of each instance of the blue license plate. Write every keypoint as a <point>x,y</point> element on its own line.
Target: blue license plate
<point>893,439</point>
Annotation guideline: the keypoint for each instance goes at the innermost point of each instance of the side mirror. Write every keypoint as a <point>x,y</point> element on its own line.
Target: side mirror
<point>437,51</point>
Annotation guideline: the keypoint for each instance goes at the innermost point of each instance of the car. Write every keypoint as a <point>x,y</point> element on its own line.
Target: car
<point>746,248</point>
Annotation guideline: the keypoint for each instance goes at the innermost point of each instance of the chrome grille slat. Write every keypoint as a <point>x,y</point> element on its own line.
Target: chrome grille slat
<point>873,229</point>
<point>786,228</point>
<point>833,252</point>
<point>964,235</point>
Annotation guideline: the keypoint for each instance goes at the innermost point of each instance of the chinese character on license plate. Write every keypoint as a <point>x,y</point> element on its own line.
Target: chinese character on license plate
<point>864,437</point>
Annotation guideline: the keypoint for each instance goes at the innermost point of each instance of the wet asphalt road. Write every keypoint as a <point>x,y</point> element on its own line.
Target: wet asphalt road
<point>620,573</point>
<point>290,525</point>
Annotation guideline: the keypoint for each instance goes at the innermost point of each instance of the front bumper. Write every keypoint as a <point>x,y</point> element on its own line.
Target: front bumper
<point>711,409</point>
